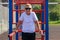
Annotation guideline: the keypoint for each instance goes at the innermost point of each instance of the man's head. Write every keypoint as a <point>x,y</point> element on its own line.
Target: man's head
<point>28,8</point>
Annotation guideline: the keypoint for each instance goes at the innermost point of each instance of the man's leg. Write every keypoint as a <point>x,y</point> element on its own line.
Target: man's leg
<point>24,36</point>
<point>32,36</point>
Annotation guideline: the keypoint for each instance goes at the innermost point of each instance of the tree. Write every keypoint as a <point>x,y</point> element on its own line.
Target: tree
<point>54,16</point>
<point>54,12</point>
<point>37,7</point>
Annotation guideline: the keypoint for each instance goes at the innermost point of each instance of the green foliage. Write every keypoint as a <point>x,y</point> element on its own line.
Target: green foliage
<point>37,7</point>
<point>54,12</point>
<point>54,0</point>
<point>54,22</point>
<point>51,7</point>
<point>54,16</point>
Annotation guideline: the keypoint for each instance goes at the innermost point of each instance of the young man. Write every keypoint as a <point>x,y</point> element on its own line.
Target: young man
<point>28,20</point>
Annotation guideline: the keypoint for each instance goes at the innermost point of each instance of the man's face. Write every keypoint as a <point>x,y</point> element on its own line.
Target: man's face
<point>28,10</point>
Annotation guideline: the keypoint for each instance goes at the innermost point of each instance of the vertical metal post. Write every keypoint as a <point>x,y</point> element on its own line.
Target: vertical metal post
<point>42,17</point>
<point>42,37</point>
<point>16,19</point>
<point>47,27</point>
<point>10,16</point>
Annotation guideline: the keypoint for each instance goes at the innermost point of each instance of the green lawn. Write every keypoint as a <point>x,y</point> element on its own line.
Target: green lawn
<point>54,22</point>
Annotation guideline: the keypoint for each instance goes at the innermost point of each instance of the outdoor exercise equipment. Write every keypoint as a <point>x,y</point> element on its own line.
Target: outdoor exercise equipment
<point>44,16</point>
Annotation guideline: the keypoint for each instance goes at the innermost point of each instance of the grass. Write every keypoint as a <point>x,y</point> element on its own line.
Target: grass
<point>54,22</point>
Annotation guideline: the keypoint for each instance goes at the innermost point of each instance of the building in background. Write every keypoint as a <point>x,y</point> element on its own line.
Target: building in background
<point>3,16</point>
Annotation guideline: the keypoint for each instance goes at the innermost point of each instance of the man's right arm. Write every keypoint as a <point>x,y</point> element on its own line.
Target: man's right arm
<point>18,24</point>
<point>20,21</point>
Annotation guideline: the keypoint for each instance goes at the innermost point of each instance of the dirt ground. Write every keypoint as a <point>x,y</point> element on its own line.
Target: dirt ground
<point>54,33</point>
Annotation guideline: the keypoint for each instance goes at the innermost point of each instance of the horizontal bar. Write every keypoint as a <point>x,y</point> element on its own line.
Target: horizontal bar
<point>54,3</point>
<point>4,3</point>
<point>13,33</point>
<point>35,31</point>
<point>39,23</point>
<point>33,10</point>
<point>30,3</point>
<point>14,23</point>
<point>38,3</point>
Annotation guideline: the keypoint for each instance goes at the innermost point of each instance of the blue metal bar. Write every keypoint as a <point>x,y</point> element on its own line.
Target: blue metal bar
<point>47,27</point>
<point>10,16</point>
<point>17,36</point>
<point>16,20</point>
<point>42,17</point>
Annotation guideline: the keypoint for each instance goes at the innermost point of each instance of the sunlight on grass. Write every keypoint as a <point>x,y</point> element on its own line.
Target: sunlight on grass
<point>54,22</point>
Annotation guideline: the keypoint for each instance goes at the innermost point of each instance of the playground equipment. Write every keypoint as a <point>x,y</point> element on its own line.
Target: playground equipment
<point>43,11</point>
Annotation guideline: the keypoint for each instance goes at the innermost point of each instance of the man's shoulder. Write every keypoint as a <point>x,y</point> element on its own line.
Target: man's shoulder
<point>23,13</point>
<point>32,12</point>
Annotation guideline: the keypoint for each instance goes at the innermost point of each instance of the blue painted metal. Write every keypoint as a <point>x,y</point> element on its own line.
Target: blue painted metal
<point>16,20</point>
<point>10,16</point>
<point>17,36</point>
<point>42,17</point>
<point>47,26</point>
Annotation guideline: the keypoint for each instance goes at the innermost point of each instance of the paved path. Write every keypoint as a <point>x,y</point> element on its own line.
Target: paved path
<point>54,33</point>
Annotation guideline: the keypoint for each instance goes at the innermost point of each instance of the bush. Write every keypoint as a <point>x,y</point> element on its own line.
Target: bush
<point>54,16</point>
<point>36,7</point>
